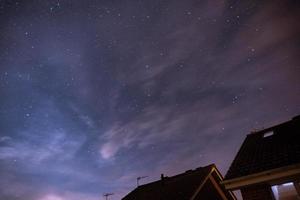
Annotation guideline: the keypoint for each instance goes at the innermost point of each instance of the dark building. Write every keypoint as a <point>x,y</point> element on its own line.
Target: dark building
<point>202,183</point>
<point>267,166</point>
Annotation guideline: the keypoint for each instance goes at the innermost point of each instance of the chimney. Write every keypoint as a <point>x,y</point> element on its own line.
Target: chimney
<point>162,178</point>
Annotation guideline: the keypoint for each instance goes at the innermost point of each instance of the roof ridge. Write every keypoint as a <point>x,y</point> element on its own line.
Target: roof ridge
<point>187,172</point>
<point>263,130</point>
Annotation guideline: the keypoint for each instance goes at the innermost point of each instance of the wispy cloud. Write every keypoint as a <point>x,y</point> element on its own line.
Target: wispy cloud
<point>67,196</point>
<point>169,123</point>
<point>35,150</point>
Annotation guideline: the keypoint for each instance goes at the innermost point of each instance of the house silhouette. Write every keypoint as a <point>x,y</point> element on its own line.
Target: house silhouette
<point>202,183</point>
<point>267,166</point>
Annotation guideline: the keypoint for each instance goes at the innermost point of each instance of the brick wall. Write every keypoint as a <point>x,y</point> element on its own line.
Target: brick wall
<point>257,192</point>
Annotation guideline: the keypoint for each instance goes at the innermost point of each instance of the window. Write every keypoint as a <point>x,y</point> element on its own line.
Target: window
<point>268,134</point>
<point>285,191</point>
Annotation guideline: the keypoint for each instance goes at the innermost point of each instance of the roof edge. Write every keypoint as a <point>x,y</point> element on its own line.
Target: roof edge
<point>209,176</point>
<point>212,168</point>
<point>295,118</point>
<point>260,177</point>
<point>222,178</point>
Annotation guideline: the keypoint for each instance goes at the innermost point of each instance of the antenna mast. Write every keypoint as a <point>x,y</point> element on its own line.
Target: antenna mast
<point>106,195</point>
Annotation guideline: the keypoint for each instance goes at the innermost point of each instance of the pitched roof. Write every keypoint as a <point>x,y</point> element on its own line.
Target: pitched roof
<point>179,187</point>
<point>268,149</point>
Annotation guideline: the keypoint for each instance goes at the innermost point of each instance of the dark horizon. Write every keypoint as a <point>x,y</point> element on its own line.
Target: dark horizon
<point>94,94</point>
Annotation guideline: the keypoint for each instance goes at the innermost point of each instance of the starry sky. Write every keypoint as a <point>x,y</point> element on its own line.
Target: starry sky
<point>95,93</point>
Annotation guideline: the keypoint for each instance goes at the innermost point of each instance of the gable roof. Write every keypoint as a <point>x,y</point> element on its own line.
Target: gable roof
<point>268,149</point>
<point>179,187</point>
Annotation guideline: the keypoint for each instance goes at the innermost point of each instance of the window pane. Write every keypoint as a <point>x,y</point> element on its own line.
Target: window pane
<point>285,191</point>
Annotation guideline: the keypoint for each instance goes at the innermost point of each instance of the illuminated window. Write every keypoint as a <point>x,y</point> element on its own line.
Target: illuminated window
<point>268,134</point>
<point>285,191</point>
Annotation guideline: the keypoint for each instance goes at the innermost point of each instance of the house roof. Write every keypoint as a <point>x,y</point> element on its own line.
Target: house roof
<point>179,187</point>
<point>268,149</point>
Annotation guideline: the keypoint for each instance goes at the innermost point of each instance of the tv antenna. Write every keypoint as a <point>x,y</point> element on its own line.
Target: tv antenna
<point>138,180</point>
<point>106,195</point>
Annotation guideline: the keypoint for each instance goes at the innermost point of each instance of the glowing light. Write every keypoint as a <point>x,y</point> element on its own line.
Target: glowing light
<point>287,184</point>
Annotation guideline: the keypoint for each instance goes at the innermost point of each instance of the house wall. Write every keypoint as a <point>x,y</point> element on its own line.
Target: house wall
<point>208,191</point>
<point>257,192</point>
<point>216,178</point>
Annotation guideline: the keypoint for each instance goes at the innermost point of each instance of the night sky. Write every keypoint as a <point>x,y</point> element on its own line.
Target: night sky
<point>96,93</point>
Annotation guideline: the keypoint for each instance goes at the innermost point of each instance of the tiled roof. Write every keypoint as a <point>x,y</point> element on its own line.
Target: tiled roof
<point>179,187</point>
<point>271,148</point>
